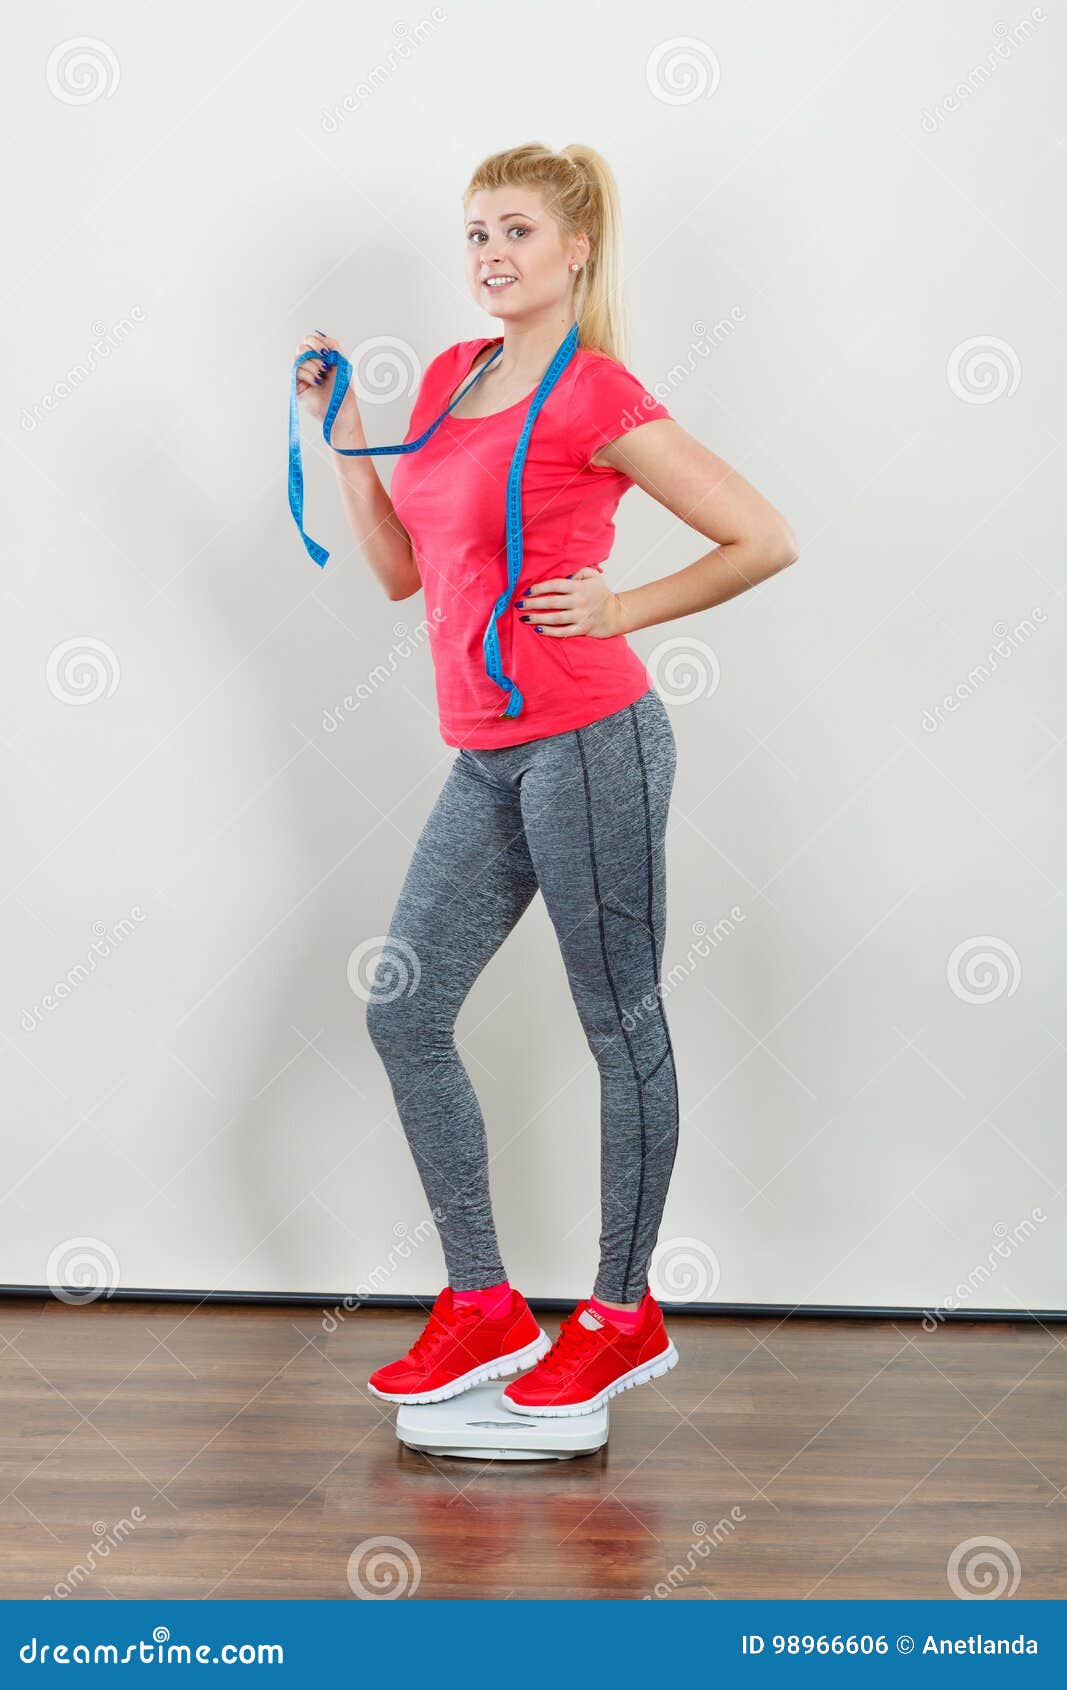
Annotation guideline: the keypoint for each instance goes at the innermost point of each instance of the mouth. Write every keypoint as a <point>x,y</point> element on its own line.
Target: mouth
<point>498,284</point>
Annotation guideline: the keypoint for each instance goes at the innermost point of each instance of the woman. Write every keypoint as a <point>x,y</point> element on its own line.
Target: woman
<point>565,753</point>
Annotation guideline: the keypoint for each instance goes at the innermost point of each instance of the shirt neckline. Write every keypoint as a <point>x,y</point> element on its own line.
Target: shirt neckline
<point>490,340</point>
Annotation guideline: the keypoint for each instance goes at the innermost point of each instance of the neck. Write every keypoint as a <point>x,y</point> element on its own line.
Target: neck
<point>531,342</point>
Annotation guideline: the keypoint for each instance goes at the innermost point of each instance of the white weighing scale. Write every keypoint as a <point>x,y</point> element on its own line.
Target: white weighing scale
<point>477,1424</point>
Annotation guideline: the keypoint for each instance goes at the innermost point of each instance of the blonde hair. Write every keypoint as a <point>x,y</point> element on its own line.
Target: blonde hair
<point>580,193</point>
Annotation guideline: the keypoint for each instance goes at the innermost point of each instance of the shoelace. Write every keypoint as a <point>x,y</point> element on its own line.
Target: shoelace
<point>436,1331</point>
<point>573,1342</point>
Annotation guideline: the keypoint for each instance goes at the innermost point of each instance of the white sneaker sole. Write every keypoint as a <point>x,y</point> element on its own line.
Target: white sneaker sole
<point>637,1376</point>
<point>516,1362</point>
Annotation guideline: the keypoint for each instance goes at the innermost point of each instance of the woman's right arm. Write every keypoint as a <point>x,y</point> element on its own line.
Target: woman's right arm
<point>380,534</point>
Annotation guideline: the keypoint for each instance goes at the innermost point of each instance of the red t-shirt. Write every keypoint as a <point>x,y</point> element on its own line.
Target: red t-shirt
<point>450,496</point>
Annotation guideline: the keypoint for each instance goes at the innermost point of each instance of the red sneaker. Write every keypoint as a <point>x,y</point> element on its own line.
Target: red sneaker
<point>593,1360</point>
<point>459,1347</point>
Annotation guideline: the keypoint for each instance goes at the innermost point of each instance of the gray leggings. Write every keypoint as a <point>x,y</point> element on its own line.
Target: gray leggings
<point>581,814</point>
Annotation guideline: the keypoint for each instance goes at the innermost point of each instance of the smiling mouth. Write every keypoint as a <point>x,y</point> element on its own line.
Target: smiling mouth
<point>496,284</point>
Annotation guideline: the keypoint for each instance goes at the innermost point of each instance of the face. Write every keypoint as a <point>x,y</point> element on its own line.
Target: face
<point>513,238</point>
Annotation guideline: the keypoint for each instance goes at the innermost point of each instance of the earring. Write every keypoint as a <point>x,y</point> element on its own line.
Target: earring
<point>574,265</point>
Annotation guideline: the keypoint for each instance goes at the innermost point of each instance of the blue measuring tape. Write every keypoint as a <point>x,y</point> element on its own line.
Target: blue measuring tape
<point>513,506</point>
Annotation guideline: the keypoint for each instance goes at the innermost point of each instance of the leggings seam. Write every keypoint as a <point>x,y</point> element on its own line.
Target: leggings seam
<point>614,992</point>
<point>652,939</point>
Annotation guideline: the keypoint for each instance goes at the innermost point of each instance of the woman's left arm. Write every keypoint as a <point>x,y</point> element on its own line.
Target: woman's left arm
<point>753,540</point>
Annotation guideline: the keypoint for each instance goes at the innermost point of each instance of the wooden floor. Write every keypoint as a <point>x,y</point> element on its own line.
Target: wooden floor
<point>175,1450</point>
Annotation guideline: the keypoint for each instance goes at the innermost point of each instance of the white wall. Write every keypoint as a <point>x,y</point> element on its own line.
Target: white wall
<point>865,1119</point>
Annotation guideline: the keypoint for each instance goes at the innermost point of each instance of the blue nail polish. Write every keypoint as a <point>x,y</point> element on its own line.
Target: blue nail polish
<point>519,603</point>
<point>539,630</point>
<point>524,618</point>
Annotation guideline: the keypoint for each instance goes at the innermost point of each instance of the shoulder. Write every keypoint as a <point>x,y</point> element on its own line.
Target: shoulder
<point>457,358</point>
<point>443,374</point>
<point>608,396</point>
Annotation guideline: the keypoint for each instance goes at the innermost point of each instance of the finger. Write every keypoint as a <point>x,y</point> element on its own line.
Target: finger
<point>315,343</point>
<point>548,587</point>
<point>552,616</point>
<point>315,361</point>
<point>311,374</point>
<point>546,601</point>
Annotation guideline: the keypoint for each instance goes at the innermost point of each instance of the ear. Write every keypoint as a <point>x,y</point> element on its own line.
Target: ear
<point>581,249</point>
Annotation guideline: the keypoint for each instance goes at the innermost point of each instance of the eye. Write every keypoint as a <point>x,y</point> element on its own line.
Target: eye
<point>476,236</point>
<point>518,229</point>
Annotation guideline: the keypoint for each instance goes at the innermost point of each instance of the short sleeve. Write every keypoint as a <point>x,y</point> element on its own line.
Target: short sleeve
<point>606,403</point>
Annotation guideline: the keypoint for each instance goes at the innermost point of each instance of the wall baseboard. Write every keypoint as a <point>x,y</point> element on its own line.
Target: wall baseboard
<point>74,1297</point>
